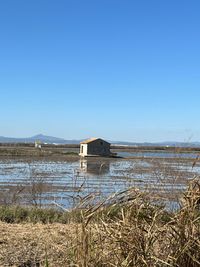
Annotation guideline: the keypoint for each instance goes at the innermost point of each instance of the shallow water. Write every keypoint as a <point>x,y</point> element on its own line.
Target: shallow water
<point>157,154</point>
<point>66,183</point>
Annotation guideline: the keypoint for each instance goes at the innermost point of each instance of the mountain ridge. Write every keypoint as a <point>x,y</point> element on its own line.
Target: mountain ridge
<point>39,137</point>
<point>56,140</point>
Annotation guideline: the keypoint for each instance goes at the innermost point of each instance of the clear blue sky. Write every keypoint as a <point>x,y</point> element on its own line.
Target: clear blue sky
<point>122,70</point>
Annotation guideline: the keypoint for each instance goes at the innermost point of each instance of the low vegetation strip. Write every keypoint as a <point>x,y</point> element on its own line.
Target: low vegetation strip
<point>33,152</point>
<point>18,214</point>
<point>128,229</point>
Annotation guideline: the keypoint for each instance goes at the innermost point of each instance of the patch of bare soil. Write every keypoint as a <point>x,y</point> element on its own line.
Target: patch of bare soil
<point>37,244</point>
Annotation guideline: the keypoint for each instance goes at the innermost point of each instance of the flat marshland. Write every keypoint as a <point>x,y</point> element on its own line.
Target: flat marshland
<point>141,210</point>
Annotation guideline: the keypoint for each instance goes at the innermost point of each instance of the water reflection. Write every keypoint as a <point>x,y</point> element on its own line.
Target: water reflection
<point>44,182</point>
<point>92,166</point>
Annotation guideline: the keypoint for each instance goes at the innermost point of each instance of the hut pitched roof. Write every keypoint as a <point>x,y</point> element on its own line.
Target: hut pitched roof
<point>90,140</point>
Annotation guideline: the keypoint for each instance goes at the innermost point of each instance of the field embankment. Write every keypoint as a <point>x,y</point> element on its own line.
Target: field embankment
<point>64,151</point>
<point>47,151</point>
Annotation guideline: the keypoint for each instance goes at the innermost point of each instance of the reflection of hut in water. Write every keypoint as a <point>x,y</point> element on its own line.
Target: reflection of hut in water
<point>95,167</point>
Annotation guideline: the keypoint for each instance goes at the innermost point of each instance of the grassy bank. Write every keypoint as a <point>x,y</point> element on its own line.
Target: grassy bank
<point>33,152</point>
<point>18,214</point>
<point>128,229</point>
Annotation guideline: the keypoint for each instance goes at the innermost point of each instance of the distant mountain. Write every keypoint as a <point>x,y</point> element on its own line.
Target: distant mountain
<point>40,137</point>
<point>55,140</point>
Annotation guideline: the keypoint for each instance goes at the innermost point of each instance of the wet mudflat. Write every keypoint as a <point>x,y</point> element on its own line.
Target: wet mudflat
<point>65,182</point>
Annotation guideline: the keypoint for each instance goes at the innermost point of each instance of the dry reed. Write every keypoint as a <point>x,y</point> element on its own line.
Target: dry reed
<point>126,230</point>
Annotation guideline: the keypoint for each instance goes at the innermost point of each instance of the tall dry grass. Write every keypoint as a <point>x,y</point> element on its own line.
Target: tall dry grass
<point>128,229</point>
<point>133,231</point>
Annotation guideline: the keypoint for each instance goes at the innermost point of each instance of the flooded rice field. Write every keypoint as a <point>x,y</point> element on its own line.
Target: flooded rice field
<point>65,183</point>
<point>152,154</point>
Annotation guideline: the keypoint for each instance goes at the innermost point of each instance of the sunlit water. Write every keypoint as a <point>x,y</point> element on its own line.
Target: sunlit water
<point>67,183</point>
